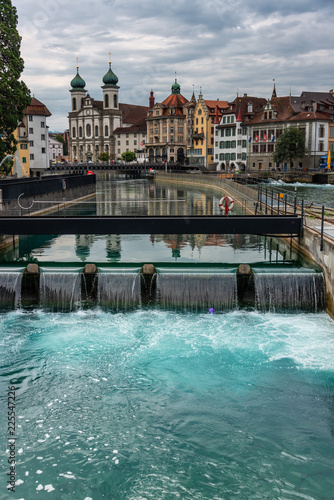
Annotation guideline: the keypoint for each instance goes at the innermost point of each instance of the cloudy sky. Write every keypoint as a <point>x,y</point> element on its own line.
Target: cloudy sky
<point>220,46</point>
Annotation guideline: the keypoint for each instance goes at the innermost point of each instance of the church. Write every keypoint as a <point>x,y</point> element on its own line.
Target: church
<point>92,123</point>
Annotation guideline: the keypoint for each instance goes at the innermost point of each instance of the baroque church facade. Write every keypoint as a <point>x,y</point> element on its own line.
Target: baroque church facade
<point>92,123</point>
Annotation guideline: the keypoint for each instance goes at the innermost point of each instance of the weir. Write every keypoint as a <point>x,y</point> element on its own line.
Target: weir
<point>206,289</point>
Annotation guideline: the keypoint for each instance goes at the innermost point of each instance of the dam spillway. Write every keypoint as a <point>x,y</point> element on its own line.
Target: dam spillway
<point>180,289</point>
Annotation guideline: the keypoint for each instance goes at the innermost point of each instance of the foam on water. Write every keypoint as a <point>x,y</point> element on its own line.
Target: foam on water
<point>154,404</point>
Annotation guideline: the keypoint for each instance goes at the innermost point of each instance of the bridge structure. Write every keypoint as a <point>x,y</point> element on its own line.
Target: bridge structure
<point>278,225</point>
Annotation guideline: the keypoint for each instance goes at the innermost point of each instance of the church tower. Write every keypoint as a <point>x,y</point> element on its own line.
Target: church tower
<point>110,90</point>
<point>78,92</point>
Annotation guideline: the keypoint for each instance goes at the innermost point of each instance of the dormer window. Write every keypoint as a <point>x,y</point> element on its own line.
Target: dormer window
<point>250,107</point>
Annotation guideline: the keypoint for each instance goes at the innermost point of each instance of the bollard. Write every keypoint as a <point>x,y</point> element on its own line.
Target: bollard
<point>30,289</point>
<point>148,284</point>
<point>89,284</point>
<point>245,286</point>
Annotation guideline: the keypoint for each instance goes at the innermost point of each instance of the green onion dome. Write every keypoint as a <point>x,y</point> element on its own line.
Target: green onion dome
<point>110,78</point>
<point>176,88</point>
<point>78,82</point>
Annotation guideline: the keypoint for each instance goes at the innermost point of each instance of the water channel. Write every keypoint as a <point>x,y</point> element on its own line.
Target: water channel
<point>158,402</point>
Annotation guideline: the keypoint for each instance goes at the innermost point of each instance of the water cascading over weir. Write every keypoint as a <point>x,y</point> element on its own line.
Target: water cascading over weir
<point>192,289</point>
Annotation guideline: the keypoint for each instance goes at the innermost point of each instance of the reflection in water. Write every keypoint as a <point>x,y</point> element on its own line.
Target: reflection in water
<point>118,196</point>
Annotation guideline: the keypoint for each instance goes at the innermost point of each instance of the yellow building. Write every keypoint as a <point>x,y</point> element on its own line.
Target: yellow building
<point>22,153</point>
<point>206,113</point>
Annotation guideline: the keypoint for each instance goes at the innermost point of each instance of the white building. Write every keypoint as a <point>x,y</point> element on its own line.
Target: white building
<point>92,123</point>
<point>132,139</point>
<point>55,149</point>
<point>231,134</point>
<point>33,138</point>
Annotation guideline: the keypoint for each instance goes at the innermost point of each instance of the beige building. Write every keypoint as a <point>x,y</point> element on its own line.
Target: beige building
<point>167,128</point>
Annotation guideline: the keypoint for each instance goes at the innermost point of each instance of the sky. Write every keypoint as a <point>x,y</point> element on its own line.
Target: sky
<point>219,47</point>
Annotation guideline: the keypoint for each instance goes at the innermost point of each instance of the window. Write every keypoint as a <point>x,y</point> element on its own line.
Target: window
<point>30,118</point>
<point>96,131</point>
<point>331,132</point>
<point>42,137</point>
<point>115,101</point>
<point>31,157</point>
<point>31,144</point>
<point>127,143</point>
<point>43,151</point>
<point>106,101</point>
<point>73,132</point>
<point>31,131</point>
<point>42,124</point>
<point>23,146</point>
<point>321,146</point>
<point>135,143</point>
<point>24,160</point>
<point>80,131</point>
<point>106,130</point>
<point>321,131</point>
<point>118,143</point>
<point>88,130</point>
<point>74,104</point>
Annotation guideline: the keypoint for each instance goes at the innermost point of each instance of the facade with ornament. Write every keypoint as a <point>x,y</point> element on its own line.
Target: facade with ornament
<point>167,128</point>
<point>92,123</point>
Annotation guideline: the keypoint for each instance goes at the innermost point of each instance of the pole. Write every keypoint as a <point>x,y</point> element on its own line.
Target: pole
<point>322,228</point>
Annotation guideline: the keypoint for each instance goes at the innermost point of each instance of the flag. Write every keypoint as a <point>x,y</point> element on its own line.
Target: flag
<point>256,138</point>
<point>329,160</point>
<point>272,138</point>
<point>250,139</point>
<point>264,137</point>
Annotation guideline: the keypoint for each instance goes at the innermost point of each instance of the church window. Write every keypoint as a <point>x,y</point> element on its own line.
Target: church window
<point>96,130</point>
<point>106,130</point>
<point>115,101</point>
<point>80,131</point>
<point>74,104</point>
<point>82,102</point>
<point>73,132</point>
<point>88,130</point>
<point>106,101</point>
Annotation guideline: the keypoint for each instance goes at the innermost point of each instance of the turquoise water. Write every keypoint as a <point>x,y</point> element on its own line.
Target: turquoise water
<point>160,405</point>
<point>318,194</point>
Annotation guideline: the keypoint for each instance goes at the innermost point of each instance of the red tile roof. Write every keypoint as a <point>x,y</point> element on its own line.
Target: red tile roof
<point>37,108</point>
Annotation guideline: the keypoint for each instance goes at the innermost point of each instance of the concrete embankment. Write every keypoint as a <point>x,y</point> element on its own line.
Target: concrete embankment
<point>38,196</point>
<point>308,245</point>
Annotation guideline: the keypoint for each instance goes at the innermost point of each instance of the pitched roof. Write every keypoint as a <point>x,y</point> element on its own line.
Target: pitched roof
<point>175,101</point>
<point>132,113</point>
<point>36,107</point>
<point>139,127</point>
<point>212,105</point>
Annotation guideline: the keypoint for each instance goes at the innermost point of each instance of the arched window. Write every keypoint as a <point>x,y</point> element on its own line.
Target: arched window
<point>106,130</point>
<point>73,133</point>
<point>74,104</point>
<point>106,101</point>
<point>115,101</point>
<point>96,130</point>
<point>82,102</point>
<point>80,131</point>
<point>88,130</point>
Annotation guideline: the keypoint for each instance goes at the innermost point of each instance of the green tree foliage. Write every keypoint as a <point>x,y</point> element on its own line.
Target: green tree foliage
<point>290,146</point>
<point>14,94</point>
<point>129,156</point>
<point>103,156</point>
<point>61,139</point>
<point>6,166</point>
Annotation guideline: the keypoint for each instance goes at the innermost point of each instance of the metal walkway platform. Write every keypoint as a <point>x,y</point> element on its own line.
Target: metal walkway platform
<point>247,224</point>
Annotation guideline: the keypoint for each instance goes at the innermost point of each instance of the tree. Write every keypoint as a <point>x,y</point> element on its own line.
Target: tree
<point>290,146</point>
<point>129,156</point>
<point>14,94</point>
<point>103,156</point>
<point>61,139</point>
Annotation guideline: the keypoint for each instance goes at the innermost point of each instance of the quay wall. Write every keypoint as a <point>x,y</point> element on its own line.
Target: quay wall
<point>308,245</point>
